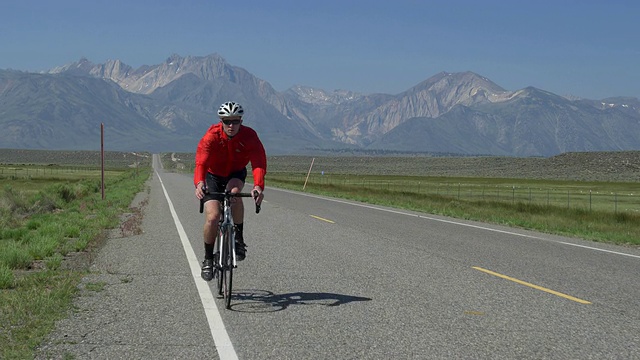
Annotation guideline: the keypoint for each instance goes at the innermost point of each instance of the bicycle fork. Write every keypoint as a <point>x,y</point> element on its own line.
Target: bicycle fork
<point>223,228</point>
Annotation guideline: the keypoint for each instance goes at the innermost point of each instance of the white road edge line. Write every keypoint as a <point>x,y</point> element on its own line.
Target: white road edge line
<point>461,224</point>
<point>218,331</point>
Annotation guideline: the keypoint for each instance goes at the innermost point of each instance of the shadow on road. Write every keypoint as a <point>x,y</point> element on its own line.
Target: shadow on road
<point>266,301</point>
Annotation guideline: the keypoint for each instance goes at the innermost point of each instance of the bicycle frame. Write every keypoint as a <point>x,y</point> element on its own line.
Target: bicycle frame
<point>225,244</point>
<point>226,225</point>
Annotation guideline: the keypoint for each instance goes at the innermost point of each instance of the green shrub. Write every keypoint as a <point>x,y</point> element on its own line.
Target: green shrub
<point>52,229</point>
<point>65,192</point>
<point>45,203</point>
<point>42,246</point>
<point>71,230</point>
<point>33,224</point>
<point>7,279</point>
<point>15,201</point>
<point>16,234</point>
<point>53,262</point>
<point>14,256</point>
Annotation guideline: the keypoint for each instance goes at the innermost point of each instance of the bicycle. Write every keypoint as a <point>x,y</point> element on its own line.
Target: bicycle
<point>225,245</point>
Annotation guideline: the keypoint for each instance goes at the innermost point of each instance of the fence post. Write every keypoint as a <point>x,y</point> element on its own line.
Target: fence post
<point>309,173</point>
<point>102,159</point>
<point>548,197</point>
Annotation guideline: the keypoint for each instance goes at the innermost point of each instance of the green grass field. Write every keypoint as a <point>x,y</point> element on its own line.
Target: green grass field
<point>604,196</point>
<point>553,207</point>
<point>46,213</point>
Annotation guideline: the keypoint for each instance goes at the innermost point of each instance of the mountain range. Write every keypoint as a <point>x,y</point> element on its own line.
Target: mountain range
<point>168,107</point>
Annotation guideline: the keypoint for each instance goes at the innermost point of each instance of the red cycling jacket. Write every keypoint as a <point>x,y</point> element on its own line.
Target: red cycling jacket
<point>222,156</point>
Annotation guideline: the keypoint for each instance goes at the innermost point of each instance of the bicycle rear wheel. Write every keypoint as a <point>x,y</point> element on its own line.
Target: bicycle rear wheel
<point>227,266</point>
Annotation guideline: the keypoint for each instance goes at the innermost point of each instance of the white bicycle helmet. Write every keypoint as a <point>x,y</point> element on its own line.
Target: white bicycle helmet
<point>230,109</point>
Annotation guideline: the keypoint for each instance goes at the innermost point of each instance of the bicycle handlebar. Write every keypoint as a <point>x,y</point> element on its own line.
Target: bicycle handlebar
<point>228,194</point>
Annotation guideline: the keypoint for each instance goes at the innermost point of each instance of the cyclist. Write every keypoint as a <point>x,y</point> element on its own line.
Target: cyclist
<point>221,159</point>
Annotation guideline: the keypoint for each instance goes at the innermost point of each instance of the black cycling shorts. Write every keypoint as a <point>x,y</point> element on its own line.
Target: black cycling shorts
<point>216,183</point>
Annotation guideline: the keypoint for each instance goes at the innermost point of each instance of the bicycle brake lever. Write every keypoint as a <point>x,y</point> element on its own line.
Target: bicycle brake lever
<point>204,190</point>
<point>255,194</point>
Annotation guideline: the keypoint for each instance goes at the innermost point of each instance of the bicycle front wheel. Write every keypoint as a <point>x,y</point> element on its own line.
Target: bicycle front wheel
<point>227,273</point>
<point>219,272</point>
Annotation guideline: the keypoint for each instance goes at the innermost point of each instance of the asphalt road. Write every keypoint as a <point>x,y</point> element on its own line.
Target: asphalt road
<point>334,279</point>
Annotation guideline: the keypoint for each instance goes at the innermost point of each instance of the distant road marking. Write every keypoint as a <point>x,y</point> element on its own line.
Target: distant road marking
<point>460,223</point>
<point>218,332</point>
<point>323,219</point>
<point>533,286</point>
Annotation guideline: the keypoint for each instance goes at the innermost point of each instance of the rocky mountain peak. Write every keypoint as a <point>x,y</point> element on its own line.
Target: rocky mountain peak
<point>321,97</point>
<point>429,99</point>
<point>463,88</point>
<point>114,70</point>
<point>146,79</point>
<point>80,67</point>
<point>449,112</point>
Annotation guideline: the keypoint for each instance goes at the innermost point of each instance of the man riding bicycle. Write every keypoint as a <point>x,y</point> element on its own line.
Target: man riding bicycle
<point>221,159</point>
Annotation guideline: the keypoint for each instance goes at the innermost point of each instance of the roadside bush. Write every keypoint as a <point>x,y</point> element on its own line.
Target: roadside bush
<point>64,191</point>
<point>7,279</point>
<point>627,218</point>
<point>42,246</point>
<point>15,234</point>
<point>54,262</point>
<point>14,256</point>
<point>44,203</point>
<point>71,230</point>
<point>16,204</point>
<point>88,187</point>
<point>68,192</point>
<point>6,219</point>
<point>15,201</point>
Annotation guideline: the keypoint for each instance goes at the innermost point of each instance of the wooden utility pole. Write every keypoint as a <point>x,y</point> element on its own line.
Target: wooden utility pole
<point>102,157</point>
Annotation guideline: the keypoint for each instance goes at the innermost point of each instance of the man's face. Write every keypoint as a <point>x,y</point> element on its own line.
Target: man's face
<point>231,125</point>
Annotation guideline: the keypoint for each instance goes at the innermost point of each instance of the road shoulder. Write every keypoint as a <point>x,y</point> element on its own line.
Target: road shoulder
<point>138,298</point>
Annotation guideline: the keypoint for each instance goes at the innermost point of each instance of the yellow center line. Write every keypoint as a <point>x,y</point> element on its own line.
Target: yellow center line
<point>533,286</point>
<point>323,219</point>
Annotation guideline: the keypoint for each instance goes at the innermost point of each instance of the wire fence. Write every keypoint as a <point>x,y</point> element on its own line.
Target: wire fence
<point>603,197</point>
<point>56,172</point>
<point>26,172</point>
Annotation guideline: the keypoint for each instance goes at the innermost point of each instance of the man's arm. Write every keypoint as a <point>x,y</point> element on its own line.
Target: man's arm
<point>202,157</point>
<point>259,166</point>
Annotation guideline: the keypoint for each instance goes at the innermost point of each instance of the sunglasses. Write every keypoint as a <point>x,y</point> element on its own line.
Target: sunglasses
<point>232,122</point>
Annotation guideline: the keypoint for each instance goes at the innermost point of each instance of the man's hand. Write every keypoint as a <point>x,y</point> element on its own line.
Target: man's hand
<point>257,195</point>
<point>200,190</point>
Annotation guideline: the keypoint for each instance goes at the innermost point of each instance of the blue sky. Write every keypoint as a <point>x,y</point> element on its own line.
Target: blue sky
<point>584,48</point>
